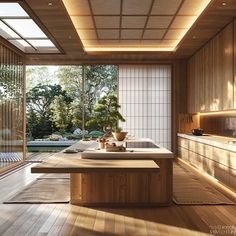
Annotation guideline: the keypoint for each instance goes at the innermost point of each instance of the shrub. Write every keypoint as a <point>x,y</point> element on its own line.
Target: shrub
<point>73,136</point>
<point>96,134</point>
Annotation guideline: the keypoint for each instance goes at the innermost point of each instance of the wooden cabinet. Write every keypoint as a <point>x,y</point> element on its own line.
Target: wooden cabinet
<point>217,162</point>
<point>211,84</point>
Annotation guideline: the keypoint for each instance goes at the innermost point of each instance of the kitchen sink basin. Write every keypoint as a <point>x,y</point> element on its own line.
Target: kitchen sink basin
<point>232,142</point>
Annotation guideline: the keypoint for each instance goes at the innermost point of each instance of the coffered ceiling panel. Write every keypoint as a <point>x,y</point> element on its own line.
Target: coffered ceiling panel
<point>139,20</point>
<point>82,22</point>
<point>163,7</point>
<point>107,21</point>
<point>183,22</point>
<point>159,22</point>
<point>78,7</point>
<point>133,21</point>
<point>192,7</point>
<point>136,7</point>
<point>154,34</point>
<point>87,34</point>
<point>108,34</point>
<point>131,34</point>
<point>105,7</point>
<point>175,34</point>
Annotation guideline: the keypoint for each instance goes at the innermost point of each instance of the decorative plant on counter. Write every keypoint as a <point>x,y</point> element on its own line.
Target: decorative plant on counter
<point>118,134</point>
<point>106,113</point>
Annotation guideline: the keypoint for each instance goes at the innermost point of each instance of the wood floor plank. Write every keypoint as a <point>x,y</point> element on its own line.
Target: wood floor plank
<point>51,220</point>
<point>70,221</point>
<point>43,213</point>
<point>66,219</point>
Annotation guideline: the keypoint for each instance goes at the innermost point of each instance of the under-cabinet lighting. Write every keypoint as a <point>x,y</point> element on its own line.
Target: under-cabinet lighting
<point>220,113</point>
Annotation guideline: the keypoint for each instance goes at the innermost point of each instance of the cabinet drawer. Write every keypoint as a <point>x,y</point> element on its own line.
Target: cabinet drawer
<point>182,142</point>
<point>232,179</point>
<point>221,156</point>
<point>209,151</point>
<point>196,160</point>
<point>183,153</point>
<point>221,173</point>
<point>232,160</point>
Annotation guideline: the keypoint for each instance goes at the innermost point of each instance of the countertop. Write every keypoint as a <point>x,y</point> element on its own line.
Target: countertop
<point>135,152</point>
<point>86,166</point>
<point>64,162</point>
<point>213,140</point>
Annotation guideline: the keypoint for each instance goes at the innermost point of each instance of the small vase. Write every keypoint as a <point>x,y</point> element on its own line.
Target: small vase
<point>119,136</point>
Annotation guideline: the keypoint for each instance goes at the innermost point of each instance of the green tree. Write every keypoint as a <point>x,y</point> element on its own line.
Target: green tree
<point>61,113</point>
<point>99,81</point>
<point>70,78</point>
<point>106,113</point>
<point>39,111</point>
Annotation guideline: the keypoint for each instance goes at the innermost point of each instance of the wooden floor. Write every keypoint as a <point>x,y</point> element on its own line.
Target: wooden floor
<point>65,219</point>
<point>30,157</point>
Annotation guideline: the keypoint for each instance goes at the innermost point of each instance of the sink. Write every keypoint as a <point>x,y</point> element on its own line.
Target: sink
<point>141,145</point>
<point>232,142</point>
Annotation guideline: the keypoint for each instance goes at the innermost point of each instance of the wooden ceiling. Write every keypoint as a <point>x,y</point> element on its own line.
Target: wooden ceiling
<point>56,20</point>
<point>133,25</point>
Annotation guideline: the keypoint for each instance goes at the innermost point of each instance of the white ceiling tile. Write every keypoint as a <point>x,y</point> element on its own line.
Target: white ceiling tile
<point>131,34</point>
<point>183,22</point>
<point>106,7</point>
<point>133,21</point>
<point>136,7</point>
<point>87,34</point>
<point>191,7</point>
<point>175,33</point>
<point>82,22</point>
<point>153,34</point>
<point>108,34</point>
<point>164,7</point>
<point>107,21</point>
<point>159,21</point>
<point>77,7</point>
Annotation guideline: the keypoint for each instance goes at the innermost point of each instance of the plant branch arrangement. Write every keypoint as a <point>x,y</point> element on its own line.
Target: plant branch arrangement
<point>106,113</point>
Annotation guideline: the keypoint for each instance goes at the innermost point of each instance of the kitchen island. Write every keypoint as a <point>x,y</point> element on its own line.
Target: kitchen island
<point>139,176</point>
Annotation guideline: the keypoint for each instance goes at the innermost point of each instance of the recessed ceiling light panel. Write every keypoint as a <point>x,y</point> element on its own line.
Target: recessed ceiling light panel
<point>144,23</point>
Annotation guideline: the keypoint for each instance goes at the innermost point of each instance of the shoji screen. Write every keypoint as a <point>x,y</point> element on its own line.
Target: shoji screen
<point>145,99</point>
<point>11,107</point>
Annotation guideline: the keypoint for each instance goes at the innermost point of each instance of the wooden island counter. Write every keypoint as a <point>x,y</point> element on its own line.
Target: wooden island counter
<point>139,176</point>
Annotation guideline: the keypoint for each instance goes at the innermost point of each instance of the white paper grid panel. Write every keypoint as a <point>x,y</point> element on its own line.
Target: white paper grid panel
<point>145,99</point>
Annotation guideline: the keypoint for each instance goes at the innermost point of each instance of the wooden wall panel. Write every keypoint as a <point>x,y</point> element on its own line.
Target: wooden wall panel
<point>227,68</point>
<point>179,98</point>
<point>11,105</point>
<point>211,74</point>
<point>208,73</point>
<point>234,70</point>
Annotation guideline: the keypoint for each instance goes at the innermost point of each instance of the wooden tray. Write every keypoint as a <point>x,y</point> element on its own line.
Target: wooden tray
<point>115,149</point>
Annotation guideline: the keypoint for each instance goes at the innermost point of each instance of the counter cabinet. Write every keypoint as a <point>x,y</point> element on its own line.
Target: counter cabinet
<point>215,161</point>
